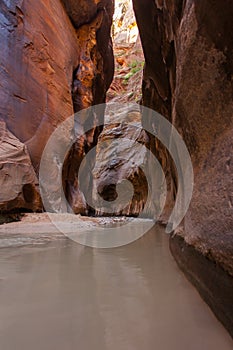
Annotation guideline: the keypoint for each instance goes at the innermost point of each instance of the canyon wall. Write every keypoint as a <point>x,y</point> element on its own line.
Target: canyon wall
<point>188,47</point>
<point>120,159</point>
<point>55,60</point>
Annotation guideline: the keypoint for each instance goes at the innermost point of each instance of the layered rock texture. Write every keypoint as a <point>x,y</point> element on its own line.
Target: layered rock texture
<point>188,47</point>
<point>55,60</point>
<point>119,163</point>
<point>18,181</point>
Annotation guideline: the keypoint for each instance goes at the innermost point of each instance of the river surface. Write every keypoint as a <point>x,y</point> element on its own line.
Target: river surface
<point>63,296</point>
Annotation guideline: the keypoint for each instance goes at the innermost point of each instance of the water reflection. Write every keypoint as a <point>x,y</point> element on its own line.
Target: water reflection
<point>65,296</point>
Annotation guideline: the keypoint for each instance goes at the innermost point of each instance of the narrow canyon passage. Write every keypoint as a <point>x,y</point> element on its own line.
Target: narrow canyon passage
<point>56,59</point>
<point>61,295</point>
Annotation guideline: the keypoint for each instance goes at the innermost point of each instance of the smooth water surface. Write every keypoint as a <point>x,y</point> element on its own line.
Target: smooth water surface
<point>65,296</point>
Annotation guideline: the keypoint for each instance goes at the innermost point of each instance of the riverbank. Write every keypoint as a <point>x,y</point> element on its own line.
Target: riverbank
<point>41,228</point>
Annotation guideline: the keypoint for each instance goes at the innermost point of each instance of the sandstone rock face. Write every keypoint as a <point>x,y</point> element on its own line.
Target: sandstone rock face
<point>41,52</point>
<point>84,11</point>
<point>97,15</point>
<point>120,158</point>
<point>122,184</point>
<point>125,30</point>
<point>188,78</point>
<point>18,181</point>
<point>91,80</point>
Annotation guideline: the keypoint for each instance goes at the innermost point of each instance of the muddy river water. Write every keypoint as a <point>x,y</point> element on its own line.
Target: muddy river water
<point>63,296</point>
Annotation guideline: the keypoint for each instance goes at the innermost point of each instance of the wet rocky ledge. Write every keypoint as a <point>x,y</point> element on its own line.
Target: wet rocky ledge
<point>214,284</point>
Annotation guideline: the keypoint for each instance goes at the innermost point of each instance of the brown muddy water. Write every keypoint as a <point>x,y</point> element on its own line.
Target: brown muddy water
<point>63,296</point>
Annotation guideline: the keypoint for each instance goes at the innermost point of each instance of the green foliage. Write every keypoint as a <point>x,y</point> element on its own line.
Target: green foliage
<point>135,66</point>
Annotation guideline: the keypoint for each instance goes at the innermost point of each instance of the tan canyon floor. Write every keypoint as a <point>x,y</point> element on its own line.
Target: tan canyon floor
<point>37,228</point>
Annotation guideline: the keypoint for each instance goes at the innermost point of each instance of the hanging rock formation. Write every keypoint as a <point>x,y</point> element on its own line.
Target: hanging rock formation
<point>41,48</point>
<point>188,47</point>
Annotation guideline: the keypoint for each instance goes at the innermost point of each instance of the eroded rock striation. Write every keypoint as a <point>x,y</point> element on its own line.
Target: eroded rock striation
<point>40,51</point>
<point>44,51</point>
<point>188,79</point>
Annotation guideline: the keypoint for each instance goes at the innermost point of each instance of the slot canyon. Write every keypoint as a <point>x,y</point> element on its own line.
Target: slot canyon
<point>61,58</point>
